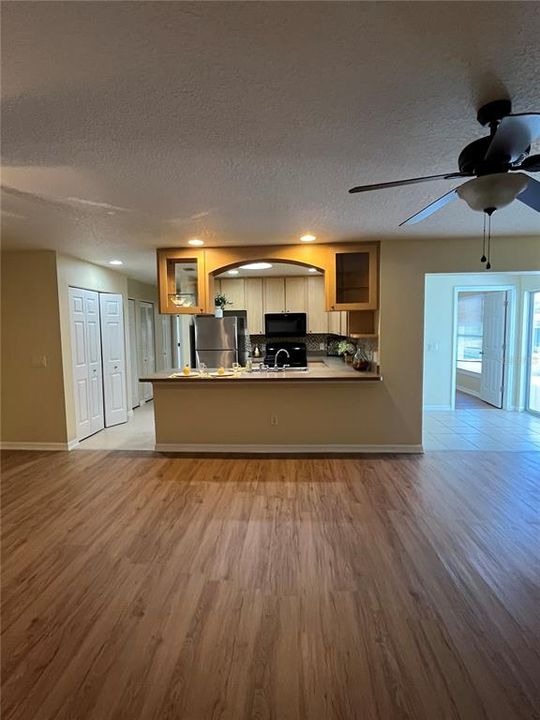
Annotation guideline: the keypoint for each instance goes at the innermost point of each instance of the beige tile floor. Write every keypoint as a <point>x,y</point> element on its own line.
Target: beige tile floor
<point>137,434</point>
<point>467,428</point>
<point>480,427</point>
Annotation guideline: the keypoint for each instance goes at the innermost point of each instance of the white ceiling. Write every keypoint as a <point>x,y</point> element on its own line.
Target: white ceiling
<point>246,123</point>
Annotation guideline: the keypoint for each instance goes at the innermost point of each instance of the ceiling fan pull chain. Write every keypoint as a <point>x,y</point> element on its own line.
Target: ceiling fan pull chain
<point>488,264</point>
<point>483,258</point>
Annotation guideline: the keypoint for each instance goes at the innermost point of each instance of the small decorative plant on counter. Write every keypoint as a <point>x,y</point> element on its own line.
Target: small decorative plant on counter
<point>347,349</point>
<point>220,301</point>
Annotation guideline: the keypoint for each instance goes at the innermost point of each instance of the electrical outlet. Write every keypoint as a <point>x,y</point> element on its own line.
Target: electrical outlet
<point>321,346</point>
<point>273,420</point>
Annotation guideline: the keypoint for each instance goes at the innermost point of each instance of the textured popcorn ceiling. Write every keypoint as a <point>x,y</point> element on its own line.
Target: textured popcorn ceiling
<point>142,124</point>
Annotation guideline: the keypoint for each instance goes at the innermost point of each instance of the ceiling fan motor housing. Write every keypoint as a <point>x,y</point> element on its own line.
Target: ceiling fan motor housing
<point>493,112</point>
<point>472,158</point>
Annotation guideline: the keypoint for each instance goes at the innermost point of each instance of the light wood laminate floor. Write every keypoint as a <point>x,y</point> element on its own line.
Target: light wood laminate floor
<point>137,586</point>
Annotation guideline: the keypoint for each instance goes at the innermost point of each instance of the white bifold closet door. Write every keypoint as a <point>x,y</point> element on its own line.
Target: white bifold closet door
<point>86,356</point>
<point>114,362</point>
<point>166,343</point>
<point>133,352</point>
<point>148,352</point>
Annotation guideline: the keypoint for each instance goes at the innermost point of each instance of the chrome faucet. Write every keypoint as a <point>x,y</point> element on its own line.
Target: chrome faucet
<point>277,355</point>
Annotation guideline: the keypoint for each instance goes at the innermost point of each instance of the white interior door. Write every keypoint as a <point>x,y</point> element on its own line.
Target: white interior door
<point>166,342</point>
<point>493,347</point>
<point>133,349</point>
<point>86,358</point>
<point>181,338</point>
<point>114,364</point>
<point>148,353</point>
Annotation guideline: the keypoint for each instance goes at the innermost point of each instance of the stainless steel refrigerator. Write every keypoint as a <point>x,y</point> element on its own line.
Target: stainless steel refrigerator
<point>215,341</point>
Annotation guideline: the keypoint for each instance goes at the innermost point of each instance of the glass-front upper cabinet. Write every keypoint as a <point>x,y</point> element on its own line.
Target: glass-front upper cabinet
<point>353,282</point>
<point>181,281</point>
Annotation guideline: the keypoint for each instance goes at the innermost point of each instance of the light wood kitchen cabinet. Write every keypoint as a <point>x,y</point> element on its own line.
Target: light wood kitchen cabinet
<point>233,289</point>
<point>284,294</point>
<point>181,282</point>
<point>274,295</point>
<point>338,322</point>
<point>296,294</point>
<point>253,290</point>
<point>316,309</point>
<point>352,284</point>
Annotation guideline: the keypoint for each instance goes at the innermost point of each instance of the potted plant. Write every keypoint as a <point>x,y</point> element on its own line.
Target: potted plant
<point>220,301</point>
<point>347,349</point>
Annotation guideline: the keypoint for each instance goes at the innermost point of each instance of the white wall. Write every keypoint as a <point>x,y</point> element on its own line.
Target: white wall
<point>439,331</point>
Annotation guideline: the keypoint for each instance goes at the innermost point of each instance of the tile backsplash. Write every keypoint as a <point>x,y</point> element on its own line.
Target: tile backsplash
<point>313,343</point>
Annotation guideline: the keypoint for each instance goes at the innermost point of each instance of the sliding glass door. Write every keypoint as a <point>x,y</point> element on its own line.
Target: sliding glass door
<point>533,394</point>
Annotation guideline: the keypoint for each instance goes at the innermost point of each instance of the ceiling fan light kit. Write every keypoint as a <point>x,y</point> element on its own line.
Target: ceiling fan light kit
<point>494,165</point>
<point>492,191</point>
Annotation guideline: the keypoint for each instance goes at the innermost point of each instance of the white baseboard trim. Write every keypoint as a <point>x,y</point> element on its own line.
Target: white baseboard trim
<point>282,449</point>
<point>468,391</point>
<point>437,407</point>
<point>54,447</point>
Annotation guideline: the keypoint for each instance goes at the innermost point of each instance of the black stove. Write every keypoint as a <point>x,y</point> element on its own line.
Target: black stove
<point>294,354</point>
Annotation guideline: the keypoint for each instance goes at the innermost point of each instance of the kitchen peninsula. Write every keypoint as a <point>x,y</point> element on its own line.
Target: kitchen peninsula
<point>328,407</point>
<point>318,410</point>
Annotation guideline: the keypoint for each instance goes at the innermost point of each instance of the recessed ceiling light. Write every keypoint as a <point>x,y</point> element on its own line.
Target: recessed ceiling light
<point>308,238</point>
<point>115,262</point>
<point>256,266</point>
<point>313,270</point>
<point>233,272</point>
<point>195,241</point>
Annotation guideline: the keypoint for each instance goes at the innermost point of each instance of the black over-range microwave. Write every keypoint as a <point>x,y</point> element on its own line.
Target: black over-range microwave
<point>285,324</point>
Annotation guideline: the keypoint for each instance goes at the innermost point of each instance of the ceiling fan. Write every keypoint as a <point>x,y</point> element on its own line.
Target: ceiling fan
<point>495,163</point>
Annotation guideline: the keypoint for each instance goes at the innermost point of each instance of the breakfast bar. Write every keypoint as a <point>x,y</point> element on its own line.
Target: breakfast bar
<point>314,410</point>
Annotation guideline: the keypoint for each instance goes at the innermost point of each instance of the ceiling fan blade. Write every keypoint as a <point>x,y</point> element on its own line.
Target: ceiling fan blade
<point>531,195</point>
<point>530,164</point>
<point>431,208</point>
<point>412,181</point>
<point>514,136</point>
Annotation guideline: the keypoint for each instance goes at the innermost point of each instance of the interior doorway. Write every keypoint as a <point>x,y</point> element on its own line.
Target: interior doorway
<point>482,362</point>
<point>147,347</point>
<point>533,355</point>
<point>480,343</point>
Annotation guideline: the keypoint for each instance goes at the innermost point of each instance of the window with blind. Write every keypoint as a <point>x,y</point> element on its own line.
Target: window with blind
<point>469,332</point>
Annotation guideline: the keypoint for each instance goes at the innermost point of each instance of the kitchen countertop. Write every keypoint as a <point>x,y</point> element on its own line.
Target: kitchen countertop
<point>329,369</point>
